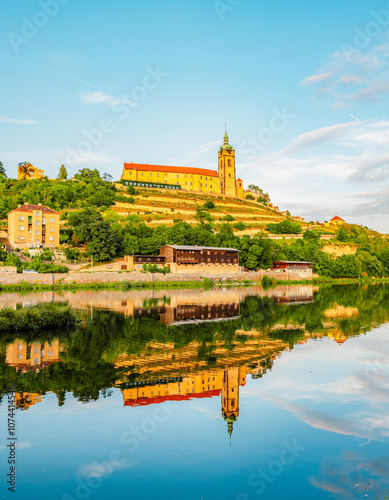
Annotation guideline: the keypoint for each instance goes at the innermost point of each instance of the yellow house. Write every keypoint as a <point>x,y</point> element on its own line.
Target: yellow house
<point>33,173</point>
<point>198,180</point>
<point>335,221</point>
<point>33,226</point>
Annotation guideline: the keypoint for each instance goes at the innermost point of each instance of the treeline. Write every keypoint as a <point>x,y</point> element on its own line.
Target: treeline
<point>110,235</point>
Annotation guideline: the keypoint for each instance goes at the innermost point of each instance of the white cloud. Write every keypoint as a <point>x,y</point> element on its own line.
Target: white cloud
<point>349,76</point>
<point>24,121</point>
<point>327,170</point>
<point>98,97</point>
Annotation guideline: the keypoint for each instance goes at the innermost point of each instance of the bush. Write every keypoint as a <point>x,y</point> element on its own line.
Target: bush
<point>284,227</point>
<point>227,218</point>
<point>209,205</point>
<point>267,282</point>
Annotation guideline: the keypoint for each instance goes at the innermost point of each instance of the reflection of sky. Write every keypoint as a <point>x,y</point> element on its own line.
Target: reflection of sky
<point>329,399</point>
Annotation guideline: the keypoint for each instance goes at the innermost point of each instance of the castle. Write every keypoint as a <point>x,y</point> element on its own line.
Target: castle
<point>199,180</point>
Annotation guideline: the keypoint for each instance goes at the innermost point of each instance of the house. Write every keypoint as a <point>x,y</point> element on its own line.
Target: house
<point>198,259</point>
<point>33,226</point>
<point>335,221</point>
<point>33,173</point>
<point>295,269</point>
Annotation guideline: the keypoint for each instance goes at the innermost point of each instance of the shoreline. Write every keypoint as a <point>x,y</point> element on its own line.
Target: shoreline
<point>205,283</point>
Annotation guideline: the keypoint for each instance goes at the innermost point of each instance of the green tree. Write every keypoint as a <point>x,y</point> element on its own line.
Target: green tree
<point>63,175</point>
<point>91,229</point>
<point>2,170</point>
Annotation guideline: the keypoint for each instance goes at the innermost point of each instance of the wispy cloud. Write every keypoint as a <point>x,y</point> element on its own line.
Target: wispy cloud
<point>24,121</point>
<point>90,159</point>
<point>209,146</point>
<point>352,76</point>
<point>98,97</point>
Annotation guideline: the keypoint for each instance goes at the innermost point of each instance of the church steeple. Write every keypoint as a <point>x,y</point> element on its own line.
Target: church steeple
<point>227,176</point>
<point>226,136</point>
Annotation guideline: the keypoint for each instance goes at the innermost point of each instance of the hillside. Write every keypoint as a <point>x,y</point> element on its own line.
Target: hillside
<point>158,206</point>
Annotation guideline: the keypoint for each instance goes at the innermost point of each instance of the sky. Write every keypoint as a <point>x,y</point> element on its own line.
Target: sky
<point>303,87</point>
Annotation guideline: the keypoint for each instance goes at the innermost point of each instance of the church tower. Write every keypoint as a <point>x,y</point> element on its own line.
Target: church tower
<point>233,377</point>
<point>227,174</point>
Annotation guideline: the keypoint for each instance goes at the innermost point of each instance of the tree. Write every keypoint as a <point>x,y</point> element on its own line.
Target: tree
<point>249,197</point>
<point>2,171</point>
<point>63,175</point>
<point>86,174</point>
<point>25,169</point>
<point>91,229</point>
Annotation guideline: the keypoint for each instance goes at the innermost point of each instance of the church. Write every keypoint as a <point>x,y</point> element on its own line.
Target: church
<point>199,180</point>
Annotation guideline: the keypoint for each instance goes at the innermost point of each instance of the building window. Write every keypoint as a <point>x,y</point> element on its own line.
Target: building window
<point>51,219</point>
<point>37,223</point>
<point>37,233</point>
<point>141,174</point>
<point>21,238</point>
<point>51,238</point>
<point>21,217</point>
<point>21,228</point>
<point>35,361</point>
<point>177,176</point>
<point>51,230</point>
<point>43,220</point>
<point>37,214</point>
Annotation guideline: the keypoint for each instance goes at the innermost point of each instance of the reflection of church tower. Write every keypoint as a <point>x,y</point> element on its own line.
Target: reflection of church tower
<point>227,174</point>
<point>233,377</point>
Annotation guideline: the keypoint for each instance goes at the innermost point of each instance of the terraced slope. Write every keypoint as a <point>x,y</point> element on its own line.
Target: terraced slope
<point>161,207</point>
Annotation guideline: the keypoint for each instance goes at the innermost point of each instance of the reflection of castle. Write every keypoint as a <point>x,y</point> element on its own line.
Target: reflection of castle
<point>35,356</point>
<point>205,384</point>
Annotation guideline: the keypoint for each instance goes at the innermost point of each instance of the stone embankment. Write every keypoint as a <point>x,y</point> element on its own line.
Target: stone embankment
<point>113,277</point>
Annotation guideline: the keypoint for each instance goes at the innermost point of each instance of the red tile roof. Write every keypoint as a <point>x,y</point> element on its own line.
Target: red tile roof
<point>30,208</point>
<point>337,218</point>
<point>175,170</point>
<point>175,397</point>
<point>240,179</point>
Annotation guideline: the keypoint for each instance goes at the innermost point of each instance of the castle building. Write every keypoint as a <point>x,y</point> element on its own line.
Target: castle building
<point>198,180</point>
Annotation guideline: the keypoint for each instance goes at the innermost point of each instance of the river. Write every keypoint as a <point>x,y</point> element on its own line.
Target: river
<point>231,394</point>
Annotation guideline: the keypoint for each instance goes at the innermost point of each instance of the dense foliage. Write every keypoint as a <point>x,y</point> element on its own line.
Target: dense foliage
<point>87,189</point>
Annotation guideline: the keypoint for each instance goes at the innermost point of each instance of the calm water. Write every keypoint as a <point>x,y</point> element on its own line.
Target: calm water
<point>233,394</point>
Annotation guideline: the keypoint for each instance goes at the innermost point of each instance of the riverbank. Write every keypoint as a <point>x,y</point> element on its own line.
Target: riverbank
<point>128,281</point>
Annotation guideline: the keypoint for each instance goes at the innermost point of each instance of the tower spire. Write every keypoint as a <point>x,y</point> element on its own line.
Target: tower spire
<point>225,135</point>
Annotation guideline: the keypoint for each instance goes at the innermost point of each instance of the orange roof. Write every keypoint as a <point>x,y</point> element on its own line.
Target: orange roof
<point>337,218</point>
<point>30,208</point>
<point>163,168</point>
<point>240,179</point>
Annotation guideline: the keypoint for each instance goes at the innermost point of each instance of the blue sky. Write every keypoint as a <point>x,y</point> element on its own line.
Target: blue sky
<point>303,87</point>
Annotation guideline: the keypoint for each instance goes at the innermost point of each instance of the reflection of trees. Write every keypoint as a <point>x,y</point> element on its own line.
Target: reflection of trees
<point>87,361</point>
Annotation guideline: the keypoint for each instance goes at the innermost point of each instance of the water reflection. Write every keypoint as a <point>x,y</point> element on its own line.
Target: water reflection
<point>297,355</point>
